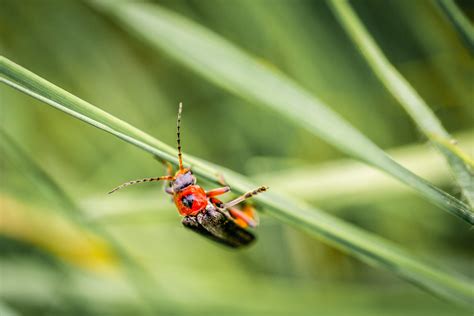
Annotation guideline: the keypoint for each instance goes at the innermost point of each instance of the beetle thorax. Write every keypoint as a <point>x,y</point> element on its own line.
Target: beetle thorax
<point>191,200</point>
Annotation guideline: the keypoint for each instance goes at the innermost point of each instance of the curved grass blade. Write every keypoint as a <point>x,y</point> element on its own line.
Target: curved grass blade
<point>461,164</point>
<point>229,67</point>
<point>350,239</point>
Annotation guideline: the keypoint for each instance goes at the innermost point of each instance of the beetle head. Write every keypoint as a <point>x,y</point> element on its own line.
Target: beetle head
<point>183,179</point>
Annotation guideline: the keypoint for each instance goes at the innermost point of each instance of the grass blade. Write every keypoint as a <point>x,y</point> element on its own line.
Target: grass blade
<point>459,20</point>
<point>5,310</point>
<point>356,242</point>
<point>232,69</point>
<point>461,164</point>
<point>320,183</point>
<point>112,250</point>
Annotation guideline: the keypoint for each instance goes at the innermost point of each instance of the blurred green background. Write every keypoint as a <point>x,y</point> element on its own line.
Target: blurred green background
<point>50,264</point>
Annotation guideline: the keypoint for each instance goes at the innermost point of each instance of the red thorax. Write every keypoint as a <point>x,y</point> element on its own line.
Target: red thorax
<point>191,200</point>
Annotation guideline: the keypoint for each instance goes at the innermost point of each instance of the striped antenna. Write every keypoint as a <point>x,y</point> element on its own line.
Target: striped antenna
<point>126,184</point>
<point>178,134</point>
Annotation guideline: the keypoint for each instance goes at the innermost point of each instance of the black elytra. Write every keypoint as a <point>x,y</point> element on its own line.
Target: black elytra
<point>216,224</point>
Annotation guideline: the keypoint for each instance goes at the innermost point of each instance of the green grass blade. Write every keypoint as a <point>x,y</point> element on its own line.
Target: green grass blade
<point>459,20</point>
<point>461,164</point>
<point>45,186</point>
<point>38,177</point>
<point>322,182</point>
<point>232,69</point>
<point>356,242</point>
<point>5,310</point>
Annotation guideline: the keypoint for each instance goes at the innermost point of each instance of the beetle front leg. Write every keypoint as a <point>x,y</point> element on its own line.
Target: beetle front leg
<point>218,191</point>
<point>169,172</point>
<point>167,164</point>
<point>221,179</point>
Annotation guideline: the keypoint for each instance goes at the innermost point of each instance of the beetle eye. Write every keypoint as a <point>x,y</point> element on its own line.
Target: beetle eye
<point>188,200</point>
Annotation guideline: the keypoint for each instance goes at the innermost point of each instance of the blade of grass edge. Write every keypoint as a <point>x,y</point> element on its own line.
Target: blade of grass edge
<point>6,310</point>
<point>227,66</point>
<point>460,22</point>
<point>346,237</point>
<point>461,164</point>
<point>133,271</point>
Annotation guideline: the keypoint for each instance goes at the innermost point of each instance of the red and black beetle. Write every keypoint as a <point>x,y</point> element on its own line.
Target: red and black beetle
<point>202,211</point>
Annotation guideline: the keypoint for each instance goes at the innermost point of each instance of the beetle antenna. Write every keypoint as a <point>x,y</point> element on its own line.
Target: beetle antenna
<point>126,184</point>
<point>178,134</point>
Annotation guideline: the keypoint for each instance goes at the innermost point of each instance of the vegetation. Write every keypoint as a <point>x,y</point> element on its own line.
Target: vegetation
<point>287,118</point>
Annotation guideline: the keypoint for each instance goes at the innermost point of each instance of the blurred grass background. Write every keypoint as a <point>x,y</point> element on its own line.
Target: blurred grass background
<point>52,265</point>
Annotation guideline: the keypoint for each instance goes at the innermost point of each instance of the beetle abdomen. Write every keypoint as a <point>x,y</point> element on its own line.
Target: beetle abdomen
<point>217,226</point>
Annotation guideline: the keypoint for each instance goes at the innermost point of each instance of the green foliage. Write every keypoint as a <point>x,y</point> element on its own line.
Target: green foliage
<point>461,164</point>
<point>56,171</point>
<point>211,57</point>
<point>341,235</point>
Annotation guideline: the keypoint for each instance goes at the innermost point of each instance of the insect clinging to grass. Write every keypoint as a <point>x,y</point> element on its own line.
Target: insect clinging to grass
<point>202,211</point>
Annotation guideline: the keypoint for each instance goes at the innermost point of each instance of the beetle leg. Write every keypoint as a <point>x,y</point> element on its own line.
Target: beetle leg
<point>245,217</point>
<point>167,164</point>
<point>169,172</point>
<point>218,203</point>
<point>167,187</point>
<point>218,191</point>
<point>221,180</point>
<point>245,196</point>
<point>169,167</point>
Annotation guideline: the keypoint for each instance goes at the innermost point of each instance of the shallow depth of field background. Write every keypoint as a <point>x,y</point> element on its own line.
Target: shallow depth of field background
<point>51,265</point>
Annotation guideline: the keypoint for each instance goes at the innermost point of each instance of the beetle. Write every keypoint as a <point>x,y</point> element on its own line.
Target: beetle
<point>202,211</point>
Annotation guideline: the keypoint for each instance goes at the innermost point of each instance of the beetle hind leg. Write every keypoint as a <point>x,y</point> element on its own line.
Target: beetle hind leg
<point>246,217</point>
